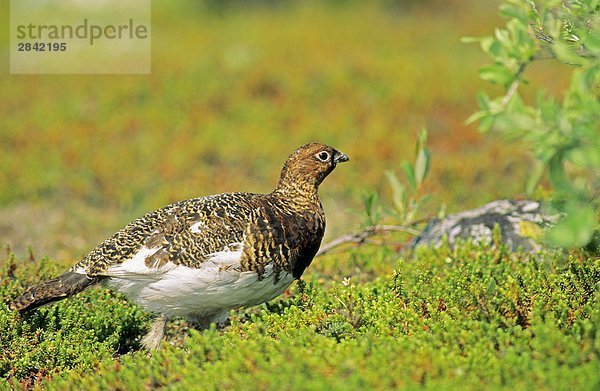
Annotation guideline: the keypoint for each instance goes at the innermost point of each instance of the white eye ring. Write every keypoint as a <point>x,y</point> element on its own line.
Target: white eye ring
<point>323,156</point>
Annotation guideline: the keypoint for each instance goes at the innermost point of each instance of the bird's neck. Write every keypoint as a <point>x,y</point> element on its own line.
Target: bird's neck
<point>299,195</point>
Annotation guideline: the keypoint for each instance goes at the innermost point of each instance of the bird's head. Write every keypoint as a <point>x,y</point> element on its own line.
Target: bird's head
<point>308,166</point>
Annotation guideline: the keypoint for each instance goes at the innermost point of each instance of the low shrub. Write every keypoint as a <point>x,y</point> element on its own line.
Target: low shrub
<point>464,318</point>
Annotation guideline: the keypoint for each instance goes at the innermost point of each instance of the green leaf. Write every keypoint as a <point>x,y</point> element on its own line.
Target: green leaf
<point>476,117</point>
<point>372,207</point>
<point>496,73</point>
<point>470,39</point>
<point>409,171</point>
<point>483,101</point>
<point>536,174</point>
<point>512,11</point>
<point>585,155</point>
<point>486,43</point>
<point>422,165</point>
<point>486,123</point>
<point>576,229</point>
<point>398,192</point>
<point>422,140</point>
<point>502,35</point>
<point>591,41</point>
<point>567,53</point>
<point>558,176</point>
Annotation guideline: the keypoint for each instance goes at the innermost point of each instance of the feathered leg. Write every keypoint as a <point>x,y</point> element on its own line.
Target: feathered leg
<point>152,340</point>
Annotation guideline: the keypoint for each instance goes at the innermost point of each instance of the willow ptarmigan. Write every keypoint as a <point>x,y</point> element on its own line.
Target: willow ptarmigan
<point>203,257</point>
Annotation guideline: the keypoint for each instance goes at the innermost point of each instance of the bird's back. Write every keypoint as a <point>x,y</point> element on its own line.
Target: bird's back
<point>190,232</point>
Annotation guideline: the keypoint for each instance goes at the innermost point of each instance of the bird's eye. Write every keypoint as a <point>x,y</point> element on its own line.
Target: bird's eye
<point>323,156</point>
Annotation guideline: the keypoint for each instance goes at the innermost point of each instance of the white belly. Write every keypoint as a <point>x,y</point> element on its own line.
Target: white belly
<point>204,292</point>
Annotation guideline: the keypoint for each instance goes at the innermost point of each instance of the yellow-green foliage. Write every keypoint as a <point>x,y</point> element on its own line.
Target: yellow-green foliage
<point>467,318</point>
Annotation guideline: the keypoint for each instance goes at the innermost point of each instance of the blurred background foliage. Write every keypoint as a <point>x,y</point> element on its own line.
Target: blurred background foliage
<point>562,131</point>
<point>235,87</point>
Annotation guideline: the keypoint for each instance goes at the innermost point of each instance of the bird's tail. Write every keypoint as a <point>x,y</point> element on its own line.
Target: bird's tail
<point>53,290</point>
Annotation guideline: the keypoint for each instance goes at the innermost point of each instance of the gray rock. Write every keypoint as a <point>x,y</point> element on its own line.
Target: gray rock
<point>520,222</point>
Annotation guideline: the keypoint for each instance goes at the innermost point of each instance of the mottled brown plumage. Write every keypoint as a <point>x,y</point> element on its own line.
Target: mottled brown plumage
<point>202,257</point>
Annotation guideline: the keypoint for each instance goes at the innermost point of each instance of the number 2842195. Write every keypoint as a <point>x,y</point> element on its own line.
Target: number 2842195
<point>42,46</point>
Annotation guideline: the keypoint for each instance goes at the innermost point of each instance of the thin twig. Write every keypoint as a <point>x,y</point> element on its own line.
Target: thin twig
<point>514,85</point>
<point>362,236</point>
<point>511,92</point>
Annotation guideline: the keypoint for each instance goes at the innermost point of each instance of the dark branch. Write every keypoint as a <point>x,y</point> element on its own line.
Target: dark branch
<point>361,237</point>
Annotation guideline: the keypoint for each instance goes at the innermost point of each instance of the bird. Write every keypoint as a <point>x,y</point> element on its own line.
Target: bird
<point>203,257</point>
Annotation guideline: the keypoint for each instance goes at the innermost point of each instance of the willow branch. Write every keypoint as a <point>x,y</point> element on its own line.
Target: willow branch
<point>361,237</point>
<point>514,85</point>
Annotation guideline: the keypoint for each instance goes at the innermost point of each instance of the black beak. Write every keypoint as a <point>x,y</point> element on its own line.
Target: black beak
<point>340,157</point>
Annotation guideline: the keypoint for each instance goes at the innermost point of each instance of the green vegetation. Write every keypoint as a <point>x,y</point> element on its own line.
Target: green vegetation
<point>234,87</point>
<point>564,136</point>
<point>467,318</point>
